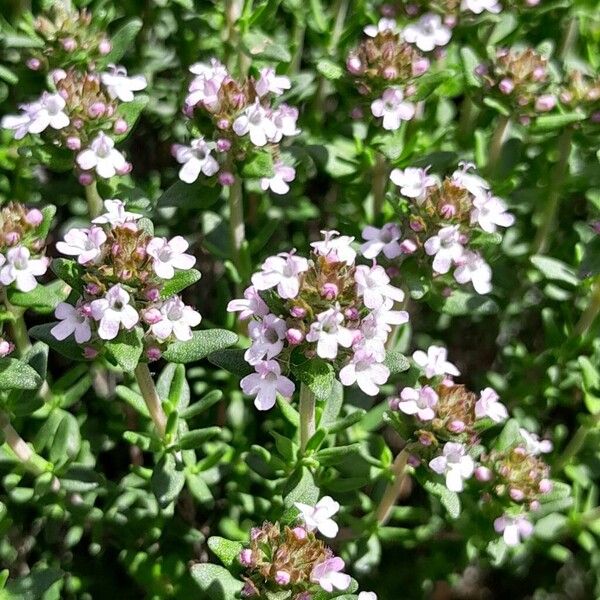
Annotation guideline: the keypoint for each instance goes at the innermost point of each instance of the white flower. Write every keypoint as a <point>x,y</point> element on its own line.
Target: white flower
<point>119,85</point>
<point>113,311</point>
<point>513,529</point>
<point>435,362</point>
<point>196,158</point>
<point>420,402</point>
<point>284,118</point>
<point>533,444</point>
<point>278,182</point>
<point>472,267</point>
<point>366,371</point>
<point>383,26</point>
<point>367,596</point>
<point>267,338</point>
<point>478,6</point>
<point>469,181</point>
<point>427,33</point>
<point>266,383</point>
<point>385,316</point>
<point>256,122</point>
<point>393,109</point>
<point>20,123</point>
<point>488,405</point>
<point>319,516</point>
<point>21,269</point>
<point>489,212</point>
<point>251,306</point>
<point>102,156</point>
<point>47,112</point>
<point>455,464</point>
<point>282,271</point>
<point>86,244</point>
<point>169,255</point>
<point>72,320</point>
<point>116,214</point>
<point>270,82</point>
<point>177,319</point>
<point>335,247</point>
<point>445,247</point>
<point>413,182</point>
<point>329,333</point>
<point>373,284</point>
<point>205,87</point>
<point>327,574</point>
<point>384,240</point>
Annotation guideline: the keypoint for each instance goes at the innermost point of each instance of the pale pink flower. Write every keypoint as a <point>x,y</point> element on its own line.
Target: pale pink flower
<point>102,157</point>
<point>327,574</point>
<point>196,158</point>
<point>367,596</point>
<point>335,247</point>
<point>19,268</point>
<point>284,119</point>
<point>86,244</point>
<point>489,212</point>
<point>427,33</point>
<point>488,405</point>
<point>48,111</point>
<point>278,182</point>
<point>116,214</point>
<point>472,267</point>
<point>513,529</point>
<point>112,311</point>
<point>478,6</point>
<point>471,182</point>
<point>386,240</point>
<point>373,284</point>
<point>72,320</point>
<point>169,255</point>
<point>435,362</point>
<point>177,319</point>
<point>119,85</point>
<point>329,333</point>
<point>268,336</point>
<point>266,383</point>
<point>283,271</point>
<point>257,123</point>
<point>420,402</point>
<point>534,444</point>
<point>318,517</point>
<point>413,182</point>
<point>446,248</point>
<point>455,464</point>
<point>269,81</point>
<point>392,107</point>
<point>384,25</point>
<point>251,306</point>
<point>366,371</point>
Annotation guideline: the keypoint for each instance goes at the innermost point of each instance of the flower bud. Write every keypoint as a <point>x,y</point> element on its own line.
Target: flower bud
<point>78,123</point>
<point>127,167</point>
<point>73,143</point>
<point>450,20</point>
<point>33,63</point>
<point>69,44</point>
<point>394,403</point>
<point>425,439</point>
<point>90,353</point>
<point>408,246</point>
<point>294,336</point>
<point>545,486</point>
<point>97,109</point>
<point>545,103</point>
<point>392,272</point>
<point>92,289</point>
<point>282,578</point>
<point>516,494</point>
<point>524,120</point>
<point>34,217</point>
<point>351,313</point>
<point>329,291</point>
<point>223,145</point>
<point>152,294</point>
<point>357,113</point>
<point>226,178</point>
<point>413,461</point>
<point>245,557</point>
<point>483,474</point>
<point>5,348</point>
<point>152,316</point>
<point>86,178</point>
<point>58,75</point>
<point>390,73</point>
<point>153,353</point>
<point>456,426</point>
<point>506,86</point>
<point>480,70</point>
<point>539,73</point>
<point>120,126</point>
<point>354,65</point>
<point>420,66</point>
<point>12,238</point>
<point>298,312</point>
<point>416,225</point>
<point>534,505</point>
<point>223,124</point>
<point>410,90</point>
<point>104,47</point>
<point>447,211</point>
<point>86,310</point>
<point>299,533</point>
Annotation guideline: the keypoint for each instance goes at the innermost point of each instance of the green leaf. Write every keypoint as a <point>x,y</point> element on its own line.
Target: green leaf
<point>33,586</point>
<point>180,281</point>
<point>232,360</point>
<point>69,347</point>
<point>172,386</point>
<point>225,550</point>
<point>301,487</point>
<point>195,438</point>
<point>449,500</point>
<point>191,196</point>
<point>69,271</point>
<point>17,375</point>
<point>462,303</point>
<point>257,43</point>
<point>133,399</point>
<point>200,346</point>
<point>43,298</point>
<point>554,122</point>
<point>470,61</point>
<point>216,582</point>
<point>316,373</point>
<point>126,349</point>
<point>590,264</point>
<point>329,69</point>
<point>396,362</point>
<point>497,105</point>
<point>509,436</point>
<point>591,384</point>
<point>123,39</point>
<point>48,213</point>
<point>167,480</point>
<point>507,23</point>
<point>202,405</point>
<point>259,164</point>
<point>67,439</point>
<point>130,112</point>
<point>333,456</point>
<point>552,268</point>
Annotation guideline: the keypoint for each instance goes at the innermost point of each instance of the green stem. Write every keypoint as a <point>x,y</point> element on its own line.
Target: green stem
<point>576,443</point>
<point>237,229</point>
<point>392,493</point>
<point>379,185</point>
<point>340,17</point>
<point>94,201</point>
<point>466,123</point>
<point>151,398</point>
<point>591,312</point>
<point>298,45</point>
<point>569,39</point>
<point>496,143</point>
<point>17,326</point>
<point>542,238</point>
<point>307,415</point>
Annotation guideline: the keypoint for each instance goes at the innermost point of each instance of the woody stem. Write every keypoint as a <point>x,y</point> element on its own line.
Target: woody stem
<point>378,187</point>
<point>496,143</point>
<point>307,415</point>
<point>388,501</point>
<point>151,398</point>
<point>94,200</point>
<point>591,312</point>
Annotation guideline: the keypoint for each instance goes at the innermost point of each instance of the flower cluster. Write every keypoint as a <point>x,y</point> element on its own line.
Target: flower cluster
<point>292,559</point>
<point>327,307</point>
<point>240,116</point>
<point>448,417</point>
<point>22,256</point>
<point>582,91</point>
<point>126,269</point>
<point>81,113</point>
<point>521,77</point>
<point>6,347</point>
<point>442,219</point>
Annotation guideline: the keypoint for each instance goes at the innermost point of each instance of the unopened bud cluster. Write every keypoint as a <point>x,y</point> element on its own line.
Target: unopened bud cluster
<point>443,217</point>
<point>232,117</point>
<point>22,247</point>
<point>582,91</point>
<point>325,306</point>
<point>126,269</point>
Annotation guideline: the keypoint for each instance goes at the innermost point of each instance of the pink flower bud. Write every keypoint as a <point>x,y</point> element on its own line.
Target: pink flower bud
<point>566,97</point>
<point>483,474</point>
<point>539,73</point>
<point>12,238</point>
<point>416,225</point>
<point>223,145</point>
<point>354,65</point>
<point>86,310</point>
<point>226,178</point>
<point>456,426</point>
<point>524,120</point>
<point>480,70</point>
<point>425,440</point>
<point>69,44</point>
<point>90,353</point>
<point>520,451</point>
<point>78,123</point>
<point>447,211</point>
<point>127,167</point>
<point>245,557</point>
<point>412,10</point>
<point>104,47</point>
<point>5,348</point>
<point>152,316</point>
<point>86,178</point>
<point>92,289</point>
<point>413,461</point>
<point>153,353</point>
<point>420,66</point>
<point>394,403</point>
<point>294,336</point>
<point>390,73</point>
<point>73,143</point>
<point>152,294</point>
<point>351,313</point>
<point>506,86</point>
<point>282,578</point>
<point>408,246</point>
<point>545,486</point>
<point>388,11</point>
<point>299,533</point>
<point>298,312</point>
<point>504,471</point>
<point>447,381</point>
<point>545,103</point>
<point>329,291</point>
<point>357,113</point>
<point>223,124</point>
<point>534,505</point>
<point>516,494</point>
<point>34,217</point>
<point>120,126</point>
<point>392,272</point>
<point>58,75</point>
<point>97,109</point>
<point>410,90</point>
<point>33,63</point>
<point>249,591</point>
<point>450,20</point>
